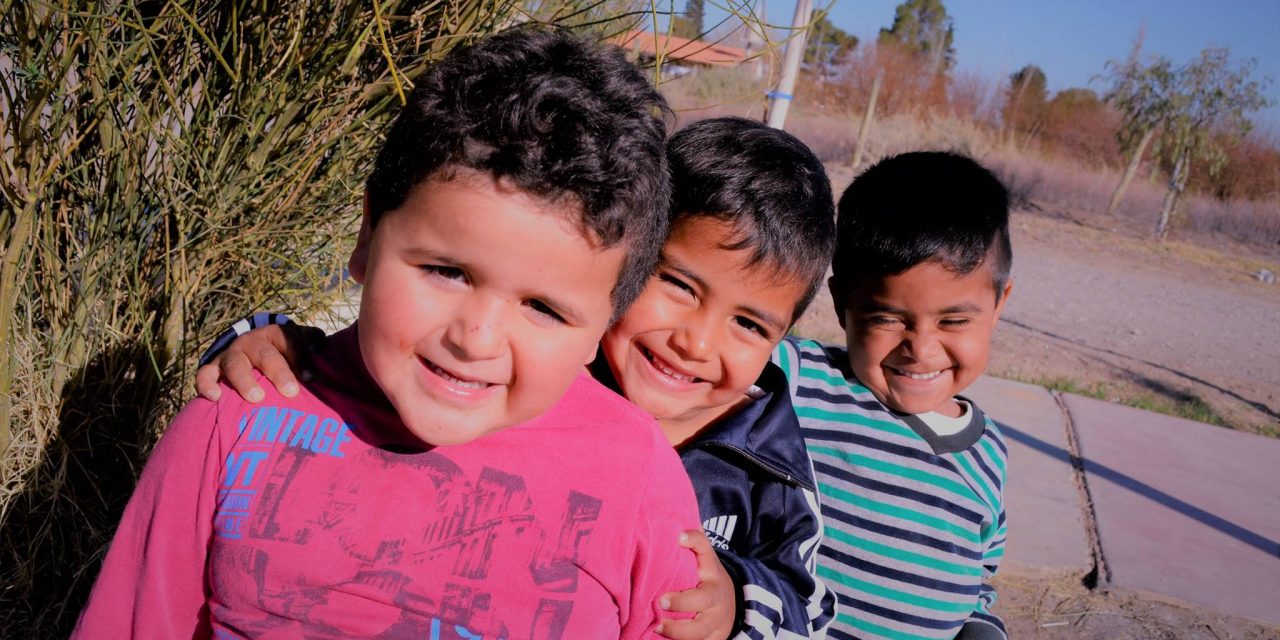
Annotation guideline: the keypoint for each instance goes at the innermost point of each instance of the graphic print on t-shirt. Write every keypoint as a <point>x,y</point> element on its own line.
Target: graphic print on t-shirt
<point>301,522</point>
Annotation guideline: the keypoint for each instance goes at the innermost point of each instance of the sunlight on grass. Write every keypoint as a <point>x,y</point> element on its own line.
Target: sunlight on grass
<point>1193,407</point>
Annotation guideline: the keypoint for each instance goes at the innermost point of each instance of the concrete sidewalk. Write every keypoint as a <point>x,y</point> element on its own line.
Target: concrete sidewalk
<point>1149,502</point>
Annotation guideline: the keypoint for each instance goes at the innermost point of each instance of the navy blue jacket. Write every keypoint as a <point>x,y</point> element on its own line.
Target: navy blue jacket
<point>759,506</point>
<point>760,511</point>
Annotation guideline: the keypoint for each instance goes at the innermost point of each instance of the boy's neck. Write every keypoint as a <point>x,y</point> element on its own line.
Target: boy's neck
<point>682,430</point>
<point>950,409</point>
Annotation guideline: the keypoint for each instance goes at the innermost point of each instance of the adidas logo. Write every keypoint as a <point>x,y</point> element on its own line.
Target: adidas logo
<point>720,530</point>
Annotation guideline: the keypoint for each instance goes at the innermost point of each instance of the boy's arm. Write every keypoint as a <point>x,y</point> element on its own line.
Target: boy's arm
<point>153,582</point>
<point>982,623</point>
<point>779,591</point>
<point>239,328</point>
<point>267,342</point>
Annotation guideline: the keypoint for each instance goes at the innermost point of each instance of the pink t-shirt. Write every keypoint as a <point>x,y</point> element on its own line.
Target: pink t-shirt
<point>293,517</point>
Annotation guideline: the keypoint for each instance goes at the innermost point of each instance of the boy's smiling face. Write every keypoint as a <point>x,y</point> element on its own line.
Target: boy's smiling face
<point>481,304</point>
<point>701,332</point>
<point>918,338</point>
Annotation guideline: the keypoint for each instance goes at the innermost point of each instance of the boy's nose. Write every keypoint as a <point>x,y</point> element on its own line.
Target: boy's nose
<point>922,344</point>
<point>695,340</point>
<point>478,332</point>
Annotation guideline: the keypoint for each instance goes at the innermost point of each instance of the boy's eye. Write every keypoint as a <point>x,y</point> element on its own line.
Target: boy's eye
<point>442,271</point>
<point>954,323</point>
<point>881,321</point>
<point>676,282</point>
<point>542,309</point>
<point>751,325</point>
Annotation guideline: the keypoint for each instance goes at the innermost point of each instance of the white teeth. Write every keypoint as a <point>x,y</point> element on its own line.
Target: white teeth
<point>458,382</point>
<point>920,376</point>
<point>664,368</point>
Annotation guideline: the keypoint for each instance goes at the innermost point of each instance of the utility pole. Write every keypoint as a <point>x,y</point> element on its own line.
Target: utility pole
<point>865,130</point>
<point>780,98</point>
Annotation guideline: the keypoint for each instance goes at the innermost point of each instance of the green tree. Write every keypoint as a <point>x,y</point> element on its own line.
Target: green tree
<point>1195,107</point>
<point>1137,91</point>
<point>1026,99</point>
<point>1076,98</point>
<point>689,25</point>
<point>828,46</point>
<point>923,28</point>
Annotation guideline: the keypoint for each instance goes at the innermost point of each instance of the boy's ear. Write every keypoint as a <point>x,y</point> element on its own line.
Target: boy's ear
<point>837,301</point>
<point>591,354</point>
<point>360,255</point>
<point>1004,297</point>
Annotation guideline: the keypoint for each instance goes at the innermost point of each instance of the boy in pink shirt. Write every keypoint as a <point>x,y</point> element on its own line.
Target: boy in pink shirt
<point>451,472</point>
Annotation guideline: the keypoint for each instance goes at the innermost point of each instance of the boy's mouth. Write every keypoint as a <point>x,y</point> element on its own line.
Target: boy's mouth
<point>923,377</point>
<point>665,368</point>
<point>454,379</point>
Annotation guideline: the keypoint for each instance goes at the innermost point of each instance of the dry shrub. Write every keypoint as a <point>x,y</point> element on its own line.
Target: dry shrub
<point>1080,127</point>
<point>1060,186</point>
<point>1037,183</point>
<point>1251,171</point>
<point>974,98</point>
<point>908,84</point>
<point>1251,221</point>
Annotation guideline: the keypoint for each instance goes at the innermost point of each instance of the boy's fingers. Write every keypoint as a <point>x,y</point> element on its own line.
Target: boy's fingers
<point>207,382</point>
<point>692,629</point>
<point>276,369</point>
<point>238,372</point>
<point>693,600</point>
<point>696,541</point>
<point>709,567</point>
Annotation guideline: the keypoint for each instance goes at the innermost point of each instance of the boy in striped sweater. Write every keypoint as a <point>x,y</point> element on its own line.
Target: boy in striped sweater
<point>910,474</point>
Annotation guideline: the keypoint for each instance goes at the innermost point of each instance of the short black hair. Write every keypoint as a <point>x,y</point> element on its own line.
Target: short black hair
<point>919,207</point>
<point>560,117</point>
<point>765,183</point>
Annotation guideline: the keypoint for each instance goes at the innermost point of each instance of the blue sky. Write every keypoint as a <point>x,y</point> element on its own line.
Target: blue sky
<point>1071,40</point>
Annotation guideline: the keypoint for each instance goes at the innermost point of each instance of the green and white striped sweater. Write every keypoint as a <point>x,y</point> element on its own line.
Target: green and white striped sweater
<point>914,523</point>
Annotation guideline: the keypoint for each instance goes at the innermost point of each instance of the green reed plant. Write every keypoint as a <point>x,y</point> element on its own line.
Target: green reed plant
<point>165,166</point>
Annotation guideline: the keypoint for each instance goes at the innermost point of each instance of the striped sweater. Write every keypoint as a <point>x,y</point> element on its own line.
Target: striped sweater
<point>914,524</point>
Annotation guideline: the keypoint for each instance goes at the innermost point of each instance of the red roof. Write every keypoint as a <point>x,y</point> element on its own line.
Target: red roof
<point>679,49</point>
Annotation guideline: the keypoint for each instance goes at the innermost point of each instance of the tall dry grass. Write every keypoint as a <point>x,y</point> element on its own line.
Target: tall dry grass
<point>167,165</point>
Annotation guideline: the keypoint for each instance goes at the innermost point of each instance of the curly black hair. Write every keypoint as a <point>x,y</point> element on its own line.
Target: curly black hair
<point>558,116</point>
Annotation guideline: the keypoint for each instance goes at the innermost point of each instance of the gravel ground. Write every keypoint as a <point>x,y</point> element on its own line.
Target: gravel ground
<point>1139,321</point>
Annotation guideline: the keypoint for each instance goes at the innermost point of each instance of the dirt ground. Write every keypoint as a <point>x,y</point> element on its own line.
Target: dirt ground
<point>1181,326</point>
<point>1044,608</point>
